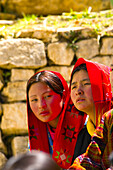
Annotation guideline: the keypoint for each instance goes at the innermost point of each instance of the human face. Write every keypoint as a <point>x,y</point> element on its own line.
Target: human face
<point>81,93</point>
<point>44,102</point>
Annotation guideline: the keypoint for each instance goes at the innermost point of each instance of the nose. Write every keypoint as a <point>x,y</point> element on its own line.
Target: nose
<point>42,103</point>
<point>79,91</point>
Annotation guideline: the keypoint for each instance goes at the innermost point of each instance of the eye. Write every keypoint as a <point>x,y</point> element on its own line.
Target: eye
<point>47,96</point>
<point>87,83</point>
<point>34,100</point>
<point>73,87</point>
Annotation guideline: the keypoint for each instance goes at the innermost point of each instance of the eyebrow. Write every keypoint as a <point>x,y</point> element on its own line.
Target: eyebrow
<point>81,81</point>
<point>32,96</point>
<point>42,93</point>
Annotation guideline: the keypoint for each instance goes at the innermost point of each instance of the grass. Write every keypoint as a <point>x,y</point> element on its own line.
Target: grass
<point>96,20</point>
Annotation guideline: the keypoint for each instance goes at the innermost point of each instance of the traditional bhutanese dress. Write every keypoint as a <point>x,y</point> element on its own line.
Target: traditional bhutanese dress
<point>97,153</point>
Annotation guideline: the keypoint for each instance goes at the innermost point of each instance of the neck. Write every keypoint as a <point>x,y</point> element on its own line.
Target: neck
<point>90,126</point>
<point>92,115</point>
<point>54,122</point>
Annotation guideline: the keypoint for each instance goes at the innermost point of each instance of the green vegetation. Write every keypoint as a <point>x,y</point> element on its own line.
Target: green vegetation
<point>96,20</point>
<point>6,75</point>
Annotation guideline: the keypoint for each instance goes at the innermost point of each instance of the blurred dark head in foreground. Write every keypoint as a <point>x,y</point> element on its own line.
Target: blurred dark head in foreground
<point>34,160</point>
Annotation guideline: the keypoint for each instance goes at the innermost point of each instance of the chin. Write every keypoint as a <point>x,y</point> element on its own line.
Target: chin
<point>82,110</point>
<point>45,121</point>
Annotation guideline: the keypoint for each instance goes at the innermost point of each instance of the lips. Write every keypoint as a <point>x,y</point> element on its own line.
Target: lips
<point>44,113</point>
<point>79,100</point>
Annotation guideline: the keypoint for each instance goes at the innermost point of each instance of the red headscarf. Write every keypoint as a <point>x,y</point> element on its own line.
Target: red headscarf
<point>70,123</point>
<point>99,76</point>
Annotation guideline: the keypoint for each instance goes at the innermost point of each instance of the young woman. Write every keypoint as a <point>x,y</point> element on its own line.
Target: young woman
<point>90,93</point>
<point>53,121</point>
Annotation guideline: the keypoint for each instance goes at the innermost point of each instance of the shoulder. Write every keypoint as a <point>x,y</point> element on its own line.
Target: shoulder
<point>108,116</point>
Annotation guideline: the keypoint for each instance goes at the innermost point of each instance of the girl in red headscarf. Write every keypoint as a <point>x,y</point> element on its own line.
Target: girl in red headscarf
<point>90,93</point>
<point>53,121</point>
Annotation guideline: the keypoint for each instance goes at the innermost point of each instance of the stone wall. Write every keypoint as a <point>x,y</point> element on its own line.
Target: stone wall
<point>53,7</point>
<point>35,50</point>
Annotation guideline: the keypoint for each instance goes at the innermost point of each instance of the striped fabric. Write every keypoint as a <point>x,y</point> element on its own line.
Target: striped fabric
<point>97,153</point>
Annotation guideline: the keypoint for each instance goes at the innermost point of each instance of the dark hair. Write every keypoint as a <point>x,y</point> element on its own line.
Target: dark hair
<point>34,160</point>
<point>80,67</point>
<point>49,78</point>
